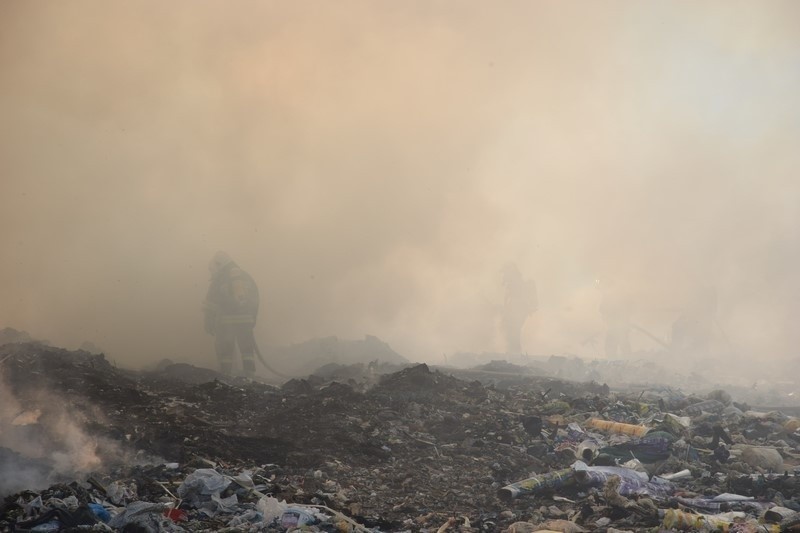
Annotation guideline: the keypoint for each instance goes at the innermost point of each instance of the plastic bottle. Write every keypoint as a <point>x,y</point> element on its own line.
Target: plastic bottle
<point>709,406</point>
<point>551,480</point>
<point>296,517</point>
<point>618,427</point>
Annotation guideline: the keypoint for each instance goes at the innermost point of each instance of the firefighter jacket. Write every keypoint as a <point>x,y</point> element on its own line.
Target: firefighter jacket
<point>232,298</point>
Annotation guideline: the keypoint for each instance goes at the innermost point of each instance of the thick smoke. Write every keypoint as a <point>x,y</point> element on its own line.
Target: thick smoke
<point>40,440</point>
<point>375,167</point>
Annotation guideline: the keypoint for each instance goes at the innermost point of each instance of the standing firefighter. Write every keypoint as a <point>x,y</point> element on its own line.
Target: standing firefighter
<point>692,332</point>
<point>520,302</point>
<point>616,310</point>
<point>231,308</point>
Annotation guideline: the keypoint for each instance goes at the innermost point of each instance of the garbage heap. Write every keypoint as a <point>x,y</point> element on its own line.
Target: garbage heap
<point>88,446</point>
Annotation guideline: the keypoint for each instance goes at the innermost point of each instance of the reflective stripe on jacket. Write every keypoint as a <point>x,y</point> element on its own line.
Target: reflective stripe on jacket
<point>232,297</point>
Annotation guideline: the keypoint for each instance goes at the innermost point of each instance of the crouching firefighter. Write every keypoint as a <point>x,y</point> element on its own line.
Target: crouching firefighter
<point>231,308</point>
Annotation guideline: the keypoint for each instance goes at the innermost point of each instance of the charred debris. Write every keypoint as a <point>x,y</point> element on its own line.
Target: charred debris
<point>89,446</point>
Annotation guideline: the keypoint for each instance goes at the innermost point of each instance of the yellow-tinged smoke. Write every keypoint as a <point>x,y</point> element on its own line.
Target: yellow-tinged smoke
<point>374,165</point>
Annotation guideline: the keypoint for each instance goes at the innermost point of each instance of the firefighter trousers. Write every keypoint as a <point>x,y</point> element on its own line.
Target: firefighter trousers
<point>227,338</point>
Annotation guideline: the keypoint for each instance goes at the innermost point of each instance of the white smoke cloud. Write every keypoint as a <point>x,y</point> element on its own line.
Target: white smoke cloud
<point>47,439</point>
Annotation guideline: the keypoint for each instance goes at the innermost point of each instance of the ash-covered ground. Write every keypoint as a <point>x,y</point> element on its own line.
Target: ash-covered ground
<point>372,446</point>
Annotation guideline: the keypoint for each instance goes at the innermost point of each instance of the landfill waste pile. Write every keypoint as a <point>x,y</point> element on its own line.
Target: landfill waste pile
<point>304,358</point>
<point>86,446</point>
<point>776,387</point>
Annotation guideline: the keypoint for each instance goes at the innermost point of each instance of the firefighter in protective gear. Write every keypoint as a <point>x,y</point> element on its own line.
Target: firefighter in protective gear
<point>231,309</point>
<point>521,301</point>
<point>615,307</point>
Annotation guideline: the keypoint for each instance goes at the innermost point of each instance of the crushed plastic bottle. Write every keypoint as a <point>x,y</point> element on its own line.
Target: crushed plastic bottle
<point>707,406</point>
<point>296,517</point>
<point>618,427</point>
<point>535,484</point>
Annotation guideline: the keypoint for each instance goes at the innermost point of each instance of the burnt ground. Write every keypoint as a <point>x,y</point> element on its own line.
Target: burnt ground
<point>416,448</point>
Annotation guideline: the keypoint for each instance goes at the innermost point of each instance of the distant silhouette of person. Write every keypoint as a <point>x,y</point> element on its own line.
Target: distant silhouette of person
<point>693,330</point>
<point>616,312</point>
<point>231,309</point>
<point>520,302</point>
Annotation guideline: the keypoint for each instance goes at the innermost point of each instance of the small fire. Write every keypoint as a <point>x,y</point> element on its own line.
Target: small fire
<point>27,418</point>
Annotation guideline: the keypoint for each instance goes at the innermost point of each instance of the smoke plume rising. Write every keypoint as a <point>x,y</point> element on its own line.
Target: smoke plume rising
<point>45,439</point>
<point>374,165</point>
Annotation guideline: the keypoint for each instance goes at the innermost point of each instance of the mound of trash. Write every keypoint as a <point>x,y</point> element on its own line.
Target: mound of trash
<point>304,358</point>
<point>88,446</point>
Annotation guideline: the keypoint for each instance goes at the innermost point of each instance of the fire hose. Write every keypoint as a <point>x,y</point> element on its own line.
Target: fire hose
<point>653,337</point>
<point>266,365</point>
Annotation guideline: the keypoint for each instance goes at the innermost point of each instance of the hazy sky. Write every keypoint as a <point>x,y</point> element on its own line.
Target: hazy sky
<point>374,164</point>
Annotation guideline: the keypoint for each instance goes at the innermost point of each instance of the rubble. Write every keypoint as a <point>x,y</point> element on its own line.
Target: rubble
<point>304,358</point>
<point>178,448</point>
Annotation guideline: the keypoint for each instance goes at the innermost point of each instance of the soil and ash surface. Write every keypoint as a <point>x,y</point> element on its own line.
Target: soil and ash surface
<point>404,451</point>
